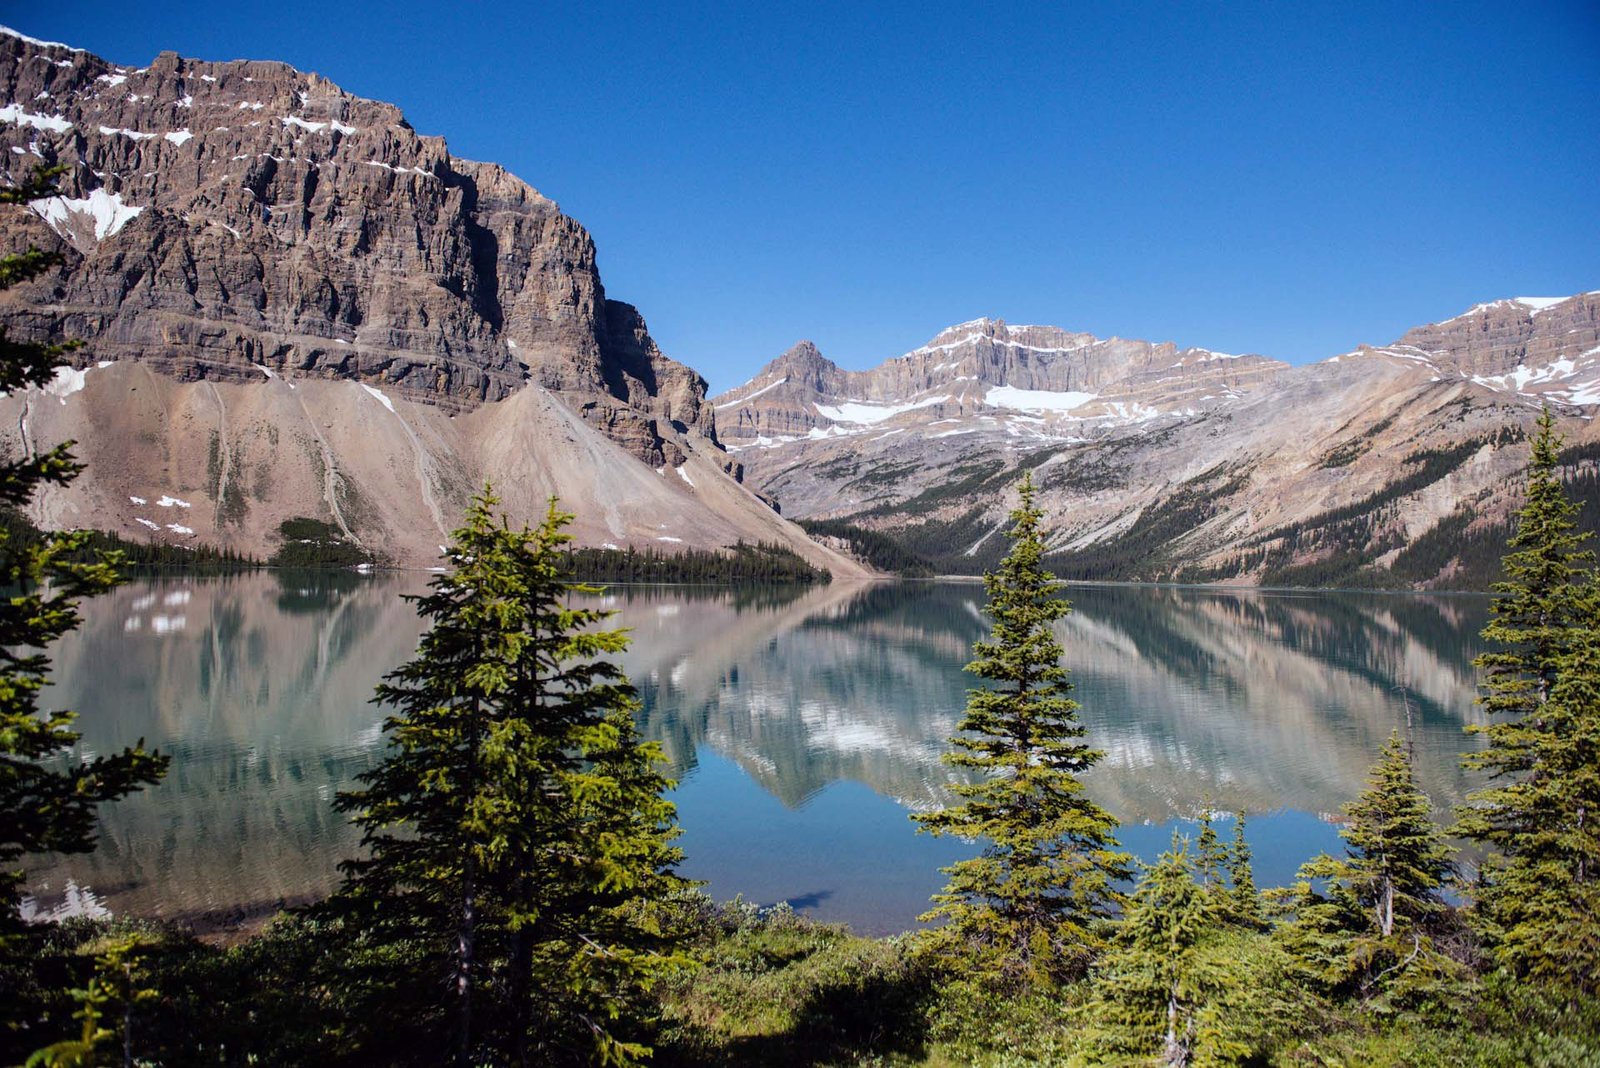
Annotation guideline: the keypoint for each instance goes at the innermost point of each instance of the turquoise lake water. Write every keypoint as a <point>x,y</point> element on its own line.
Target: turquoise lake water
<point>803,726</point>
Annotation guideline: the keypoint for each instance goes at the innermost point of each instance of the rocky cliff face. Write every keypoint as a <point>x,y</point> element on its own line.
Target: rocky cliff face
<point>297,305</point>
<point>979,367</point>
<point>1541,347</point>
<point>1380,465</point>
<point>222,218</point>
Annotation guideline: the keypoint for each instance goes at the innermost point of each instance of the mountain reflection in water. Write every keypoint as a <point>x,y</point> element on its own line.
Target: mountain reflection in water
<point>802,724</point>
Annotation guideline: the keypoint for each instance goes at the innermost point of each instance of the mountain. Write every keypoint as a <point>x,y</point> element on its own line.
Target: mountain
<point>1031,376</point>
<point>1390,465</point>
<point>297,305</point>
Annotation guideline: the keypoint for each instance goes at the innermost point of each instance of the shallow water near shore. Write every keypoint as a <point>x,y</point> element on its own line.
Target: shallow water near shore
<point>803,726</point>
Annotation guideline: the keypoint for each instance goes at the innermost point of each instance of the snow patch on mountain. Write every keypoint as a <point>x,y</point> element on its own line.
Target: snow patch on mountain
<point>53,123</point>
<point>68,380</point>
<point>107,211</point>
<point>753,396</point>
<point>137,135</point>
<point>317,127</point>
<point>973,338</point>
<point>1036,400</point>
<point>9,32</point>
<point>864,412</point>
<point>1539,304</point>
<point>380,396</point>
<point>1534,305</point>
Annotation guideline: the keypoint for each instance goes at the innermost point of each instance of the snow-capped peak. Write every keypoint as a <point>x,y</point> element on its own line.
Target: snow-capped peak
<point>1539,304</point>
<point>9,32</point>
<point>1533,305</point>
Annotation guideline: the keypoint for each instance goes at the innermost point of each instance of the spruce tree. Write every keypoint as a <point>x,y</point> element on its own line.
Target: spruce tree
<point>517,827</point>
<point>1211,857</point>
<point>1398,861</point>
<point>1545,897</point>
<point>1029,906</point>
<point>1539,811</point>
<point>1149,983</point>
<point>1244,901</point>
<point>1537,604</point>
<point>1181,985</point>
<point>1365,923</point>
<point>46,803</point>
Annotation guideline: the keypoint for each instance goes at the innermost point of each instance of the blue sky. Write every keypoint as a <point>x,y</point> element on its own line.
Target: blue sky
<point>1290,179</point>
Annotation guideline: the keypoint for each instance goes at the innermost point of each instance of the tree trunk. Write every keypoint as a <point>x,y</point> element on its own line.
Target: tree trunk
<point>464,954</point>
<point>465,933</point>
<point>1386,919</point>
<point>127,1027</point>
<point>1583,860</point>
<point>522,991</point>
<point>1175,1055</point>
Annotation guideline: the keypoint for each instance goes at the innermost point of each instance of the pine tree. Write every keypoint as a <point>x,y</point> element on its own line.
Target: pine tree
<point>1545,898</point>
<point>1365,923</point>
<point>46,803</point>
<point>517,826</point>
<point>1536,902</point>
<point>1149,980</point>
<point>1244,900</point>
<point>1028,907</point>
<point>1538,603</point>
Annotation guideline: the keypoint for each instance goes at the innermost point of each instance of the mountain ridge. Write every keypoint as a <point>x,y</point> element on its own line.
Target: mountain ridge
<point>1165,462</point>
<point>1028,361</point>
<point>338,315</point>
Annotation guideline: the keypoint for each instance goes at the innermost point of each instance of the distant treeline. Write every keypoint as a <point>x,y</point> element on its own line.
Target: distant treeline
<point>876,548</point>
<point>316,545</point>
<point>761,562</point>
<point>312,543</point>
<point>138,556</point>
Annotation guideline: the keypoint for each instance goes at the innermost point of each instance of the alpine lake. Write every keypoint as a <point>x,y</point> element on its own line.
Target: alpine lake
<point>803,727</point>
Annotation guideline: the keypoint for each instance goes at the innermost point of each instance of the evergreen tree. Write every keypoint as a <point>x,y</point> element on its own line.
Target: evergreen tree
<point>1545,898</point>
<point>1537,605</point>
<point>1150,985</point>
<point>1535,894</point>
<point>1211,857</point>
<point>517,828</point>
<point>1365,923</point>
<point>46,803</point>
<point>115,991</point>
<point>1180,985</point>
<point>1244,900</point>
<point>1028,907</point>
<point>1398,861</point>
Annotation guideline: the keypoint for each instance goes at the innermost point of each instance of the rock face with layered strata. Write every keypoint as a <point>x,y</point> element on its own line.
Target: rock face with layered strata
<point>1537,346</point>
<point>295,304</point>
<point>219,218</point>
<point>985,366</point>
<point>1384,465</point>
